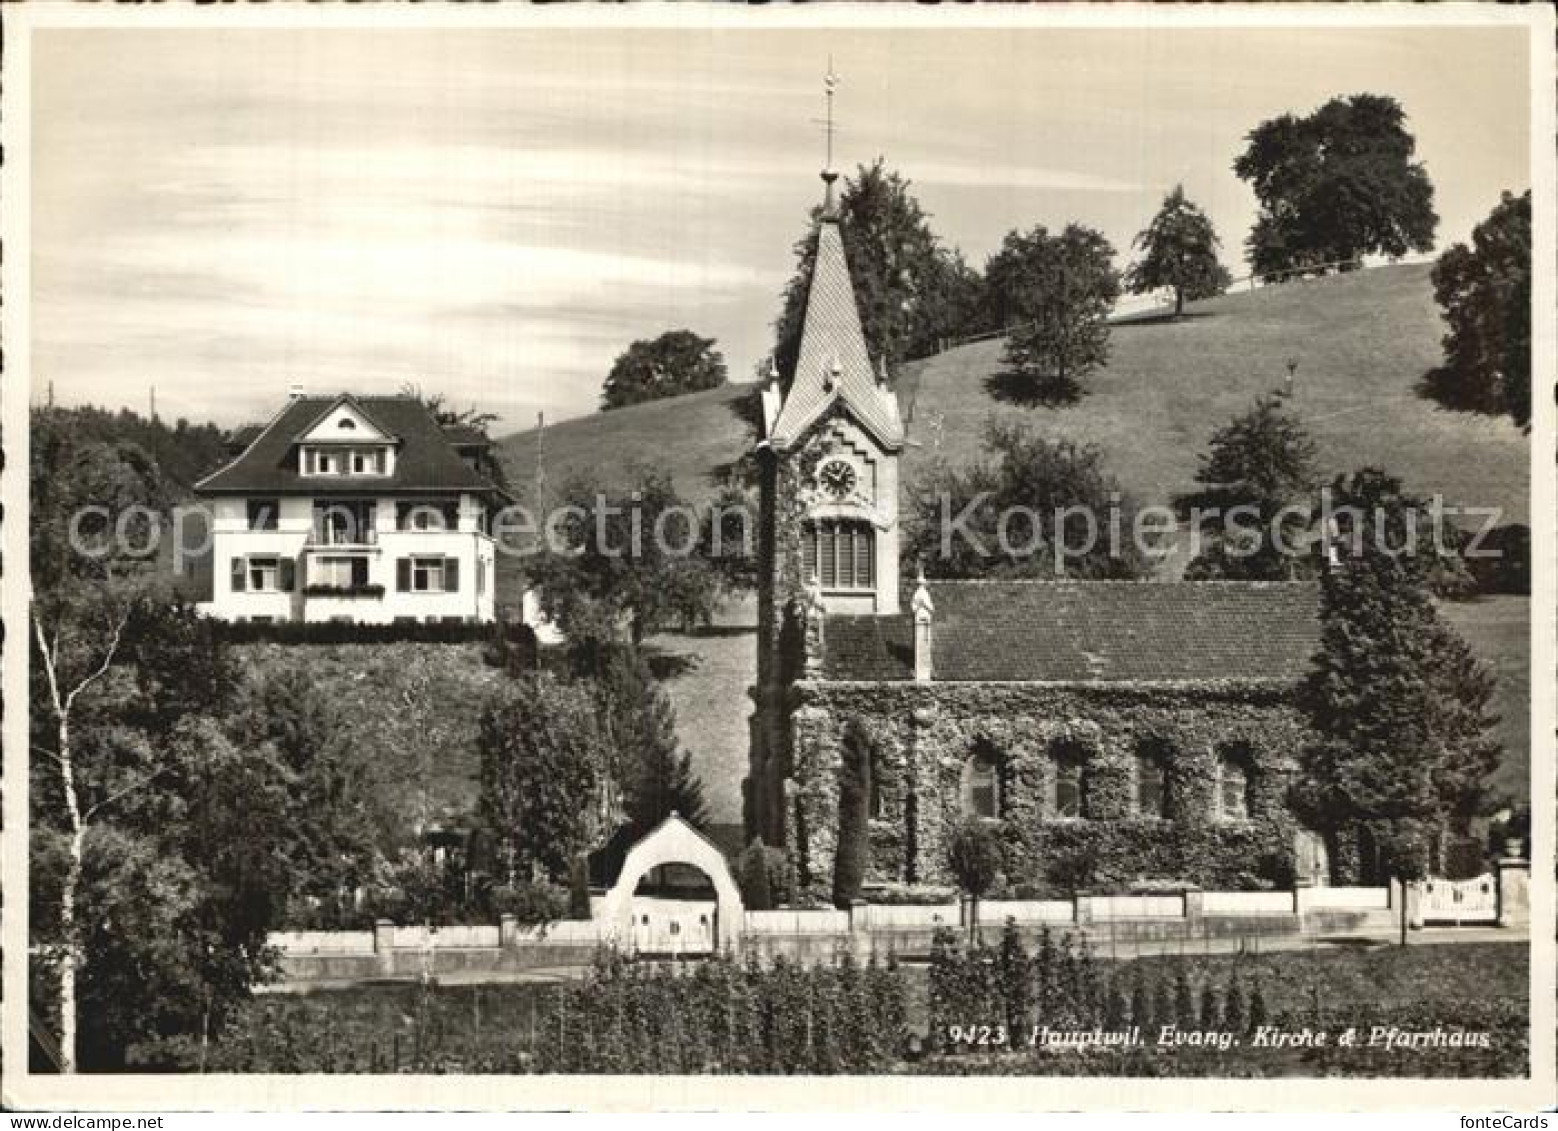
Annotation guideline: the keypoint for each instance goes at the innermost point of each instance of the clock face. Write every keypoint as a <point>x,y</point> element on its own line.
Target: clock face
<point>837,478</point>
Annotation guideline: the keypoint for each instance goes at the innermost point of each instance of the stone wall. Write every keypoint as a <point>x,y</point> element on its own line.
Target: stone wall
<point>922,735</point>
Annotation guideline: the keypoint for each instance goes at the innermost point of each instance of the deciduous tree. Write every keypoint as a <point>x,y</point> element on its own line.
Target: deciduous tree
<point>628,565</point>
<point>1054,293</point>
<point>1336,185</point>
<point>1179,250</point>
<point>1263,461</point>
<point>1485,291</point>
<point>974,858</point>
<point>677,362</point>
<point>548,778</point>
<point>1007,515</point>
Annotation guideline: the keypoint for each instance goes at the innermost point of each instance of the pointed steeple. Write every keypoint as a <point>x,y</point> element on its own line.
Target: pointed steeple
<point>833,363</point>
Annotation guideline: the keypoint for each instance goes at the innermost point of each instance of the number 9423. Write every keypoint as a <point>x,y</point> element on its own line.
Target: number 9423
<point>987,1035</point>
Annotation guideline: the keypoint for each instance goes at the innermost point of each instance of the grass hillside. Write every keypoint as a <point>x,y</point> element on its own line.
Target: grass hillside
<point>692,436</point>
<point>1362,343</point>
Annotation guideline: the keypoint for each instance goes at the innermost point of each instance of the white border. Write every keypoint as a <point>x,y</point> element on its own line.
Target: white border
<point>756,1093</point>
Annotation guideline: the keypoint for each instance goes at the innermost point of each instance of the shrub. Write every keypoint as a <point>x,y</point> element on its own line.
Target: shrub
<point>531,903</point>
<point>763,874</point>
<point>908,895</point>
<point>342,632</point>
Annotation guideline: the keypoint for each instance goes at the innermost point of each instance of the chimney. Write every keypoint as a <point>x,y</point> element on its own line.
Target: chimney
<point>295,391</point>
<point>924,609</point>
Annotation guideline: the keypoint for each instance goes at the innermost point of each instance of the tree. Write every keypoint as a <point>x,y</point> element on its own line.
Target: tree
<point>852,855</point>
<point>1009,515</point>
<point>1054,294</point>
<point>1397,700</point>
<point>88,584</point>
<point>626,563</point>
<point>1335,186</point>
<point>910,290</point>
<point>1485,291</point>
<point>1179,250</point>
<point>548,778</point>
<point>640,727</point>
<point>162,807</point>
<point>332,786</point>
<point>676,362</point>
<point>1263,461</point>
<point>974,858</point>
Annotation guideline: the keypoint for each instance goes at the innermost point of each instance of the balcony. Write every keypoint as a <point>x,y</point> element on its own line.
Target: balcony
<point>363,592</point>
<point>341,538</point>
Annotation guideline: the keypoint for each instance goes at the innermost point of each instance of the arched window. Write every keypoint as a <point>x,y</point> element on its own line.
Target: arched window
<point>1068,783</point>
<point>981,787</point>
<point>876,807</point>
<point>1233,784</point>
<point>839,553</point>
<point>1153,785</point>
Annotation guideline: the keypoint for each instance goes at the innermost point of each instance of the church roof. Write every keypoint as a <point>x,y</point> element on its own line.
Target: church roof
<point>834,366</point>
<point>1089,632</point>
<point>425,458</point>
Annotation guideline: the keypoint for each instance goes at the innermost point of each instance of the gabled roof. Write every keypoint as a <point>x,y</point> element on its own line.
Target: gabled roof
<point>425,460</point>
<point>834,366</point>
<point>1089,632</point>
<point>356,405</point>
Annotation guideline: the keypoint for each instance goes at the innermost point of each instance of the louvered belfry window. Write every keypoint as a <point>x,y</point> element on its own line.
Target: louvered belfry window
<point>840,553</point>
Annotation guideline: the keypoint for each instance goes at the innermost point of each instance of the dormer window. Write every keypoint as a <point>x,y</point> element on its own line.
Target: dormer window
<point>335,460</point>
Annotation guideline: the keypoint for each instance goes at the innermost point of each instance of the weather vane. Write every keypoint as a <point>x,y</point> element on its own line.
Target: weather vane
<point>829,84</point>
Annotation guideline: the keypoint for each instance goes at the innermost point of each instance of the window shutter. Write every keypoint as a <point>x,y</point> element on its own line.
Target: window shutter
<point>451,575</point>
<point>286,574</point>
<point>239,576</point>
<point>403,575</point>
<point>359,571</point>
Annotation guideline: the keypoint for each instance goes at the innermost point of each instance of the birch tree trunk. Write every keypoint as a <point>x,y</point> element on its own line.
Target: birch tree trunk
<point>62,703</point>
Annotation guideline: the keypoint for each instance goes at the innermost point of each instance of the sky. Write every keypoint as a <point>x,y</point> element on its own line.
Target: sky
<point>495,215</point>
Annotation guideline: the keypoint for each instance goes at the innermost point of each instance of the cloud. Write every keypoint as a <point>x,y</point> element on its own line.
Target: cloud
<point>992,174</point>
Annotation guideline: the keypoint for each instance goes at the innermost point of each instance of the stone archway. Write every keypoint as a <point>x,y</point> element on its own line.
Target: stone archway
<point>674,841</point>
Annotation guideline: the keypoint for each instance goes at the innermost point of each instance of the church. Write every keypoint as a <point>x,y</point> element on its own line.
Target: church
<point>1113,735</point>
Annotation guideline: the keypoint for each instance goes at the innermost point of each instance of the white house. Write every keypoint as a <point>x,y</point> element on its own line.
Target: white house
<point>354,508</point>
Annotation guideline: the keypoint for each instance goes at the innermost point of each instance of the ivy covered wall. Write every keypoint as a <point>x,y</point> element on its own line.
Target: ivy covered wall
<point>922,736</point>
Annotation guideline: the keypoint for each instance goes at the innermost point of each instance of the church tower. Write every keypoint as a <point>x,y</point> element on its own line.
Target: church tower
<point>828,527</point>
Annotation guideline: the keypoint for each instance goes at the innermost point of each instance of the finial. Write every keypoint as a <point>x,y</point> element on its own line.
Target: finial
<point>881,370</point>
<point>773,370</point>
<point>829,174</point>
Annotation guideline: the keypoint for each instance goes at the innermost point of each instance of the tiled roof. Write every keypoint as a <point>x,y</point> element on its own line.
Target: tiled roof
<point>833,340</point>
<point>425,460</point>
<point>465,435</point>
<point>1089,631</point>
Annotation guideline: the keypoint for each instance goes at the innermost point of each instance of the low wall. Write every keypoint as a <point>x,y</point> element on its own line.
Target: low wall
<point>390,951</point>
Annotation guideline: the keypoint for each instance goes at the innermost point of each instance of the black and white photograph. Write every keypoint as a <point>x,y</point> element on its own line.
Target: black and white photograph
<point>767,558</point>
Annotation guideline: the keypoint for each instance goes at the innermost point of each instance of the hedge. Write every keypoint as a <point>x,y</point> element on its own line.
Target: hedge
<point>342,632</point>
